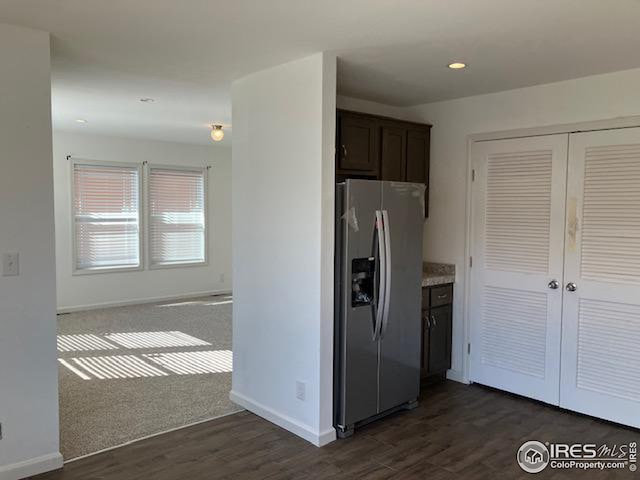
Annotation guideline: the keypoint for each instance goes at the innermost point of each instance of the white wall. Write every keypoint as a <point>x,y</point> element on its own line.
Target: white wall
<point>283,200</point>
<point>588,99</point>
<point>28,369</point>
<point>375,108</point>
<point>80,291</point>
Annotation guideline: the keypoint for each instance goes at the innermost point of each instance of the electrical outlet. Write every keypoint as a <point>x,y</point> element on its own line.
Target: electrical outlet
<point>301,390</point>
<point>10,266</point>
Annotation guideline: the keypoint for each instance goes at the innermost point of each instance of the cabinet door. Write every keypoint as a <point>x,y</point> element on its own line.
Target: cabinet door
<point>424,356</point>
<point>440,339</point>
<point>358,146</point>
<point>394,152</point>
<point>417,163</point>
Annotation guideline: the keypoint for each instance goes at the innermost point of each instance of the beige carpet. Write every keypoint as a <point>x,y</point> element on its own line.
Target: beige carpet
<point>116,387</point>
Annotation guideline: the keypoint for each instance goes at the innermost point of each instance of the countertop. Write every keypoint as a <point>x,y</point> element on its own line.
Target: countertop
<point>437,274</point>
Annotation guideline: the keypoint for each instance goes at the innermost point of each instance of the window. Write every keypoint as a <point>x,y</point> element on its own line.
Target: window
<point>106,219</point>
<point>106,216</point>
<point>176,216</point>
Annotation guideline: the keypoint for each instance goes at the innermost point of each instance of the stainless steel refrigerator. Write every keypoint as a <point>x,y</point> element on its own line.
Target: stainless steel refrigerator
<point>377,300</point>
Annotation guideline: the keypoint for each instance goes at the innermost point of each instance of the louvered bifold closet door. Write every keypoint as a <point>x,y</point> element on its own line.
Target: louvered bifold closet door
<point>601,320</point>
<point>517,250</point>
<point>176,216</point>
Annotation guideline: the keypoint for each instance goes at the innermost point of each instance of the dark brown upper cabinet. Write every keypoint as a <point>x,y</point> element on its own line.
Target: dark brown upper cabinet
<point>418,149</point>
<point>393,154</point>
<point>382,148</point>
<point>417,156</point>
<point>357,148</point>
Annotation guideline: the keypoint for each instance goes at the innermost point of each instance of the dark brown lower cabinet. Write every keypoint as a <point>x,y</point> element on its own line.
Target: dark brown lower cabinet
<point>436,330</point>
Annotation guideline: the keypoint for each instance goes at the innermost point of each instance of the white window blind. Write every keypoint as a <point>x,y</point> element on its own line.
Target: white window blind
<point>176,216</point>
<point>106,214</point>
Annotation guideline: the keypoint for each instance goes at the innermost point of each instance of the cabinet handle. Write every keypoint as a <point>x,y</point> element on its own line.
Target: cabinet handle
<point>344,151</point>
<point>433,320</point>
<point>441,296</point>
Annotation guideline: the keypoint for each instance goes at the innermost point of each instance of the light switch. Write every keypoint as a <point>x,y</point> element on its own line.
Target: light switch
<point>10,267</point>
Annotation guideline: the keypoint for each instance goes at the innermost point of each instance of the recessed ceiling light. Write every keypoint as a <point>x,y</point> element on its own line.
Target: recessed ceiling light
<point>147,100</point>
<point>81,120</point>
<point>457,65</point>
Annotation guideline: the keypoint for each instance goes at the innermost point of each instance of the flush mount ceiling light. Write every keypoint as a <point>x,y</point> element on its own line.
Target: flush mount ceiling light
<point>457,65</point>
<point>80,120</point>
<point>147,100</point>
<point>216,133</point>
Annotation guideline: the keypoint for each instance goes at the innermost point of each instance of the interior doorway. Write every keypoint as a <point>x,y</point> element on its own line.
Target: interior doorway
<point>143,261</point>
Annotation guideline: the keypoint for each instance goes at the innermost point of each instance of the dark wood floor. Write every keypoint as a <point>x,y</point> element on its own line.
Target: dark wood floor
<point>458,431</point>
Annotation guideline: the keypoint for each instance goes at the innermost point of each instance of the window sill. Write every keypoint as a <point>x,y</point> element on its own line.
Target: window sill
<point>101,270</point>
<point>161,266</point>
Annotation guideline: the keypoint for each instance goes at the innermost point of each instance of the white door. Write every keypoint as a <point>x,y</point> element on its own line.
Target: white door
<point>601,321</point>
<point>518,241</point>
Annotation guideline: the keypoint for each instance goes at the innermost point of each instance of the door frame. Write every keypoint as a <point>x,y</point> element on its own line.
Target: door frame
<point>566,128</point>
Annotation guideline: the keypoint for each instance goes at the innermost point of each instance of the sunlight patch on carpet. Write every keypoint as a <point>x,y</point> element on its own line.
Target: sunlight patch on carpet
<point>111,367</point>
<point>155,339</point>
<point>191,363</point>
<point>83,343</point>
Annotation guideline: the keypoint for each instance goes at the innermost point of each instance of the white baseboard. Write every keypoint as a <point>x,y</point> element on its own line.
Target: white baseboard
<point>141,301</point>
<point>33,466</point>
<point>327,437</point>
<point>456,376</point>
<point>318,439</point>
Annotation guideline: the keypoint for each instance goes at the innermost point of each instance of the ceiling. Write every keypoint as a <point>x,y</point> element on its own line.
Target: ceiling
<point>185,54</point>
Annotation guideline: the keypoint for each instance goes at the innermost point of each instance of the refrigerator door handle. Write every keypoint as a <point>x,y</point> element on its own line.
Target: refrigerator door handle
<point>387,272</point>
<point>382,275</point>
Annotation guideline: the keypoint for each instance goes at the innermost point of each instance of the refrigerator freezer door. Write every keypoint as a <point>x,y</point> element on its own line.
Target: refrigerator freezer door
<point>400,340</point>
<point>357,365</point>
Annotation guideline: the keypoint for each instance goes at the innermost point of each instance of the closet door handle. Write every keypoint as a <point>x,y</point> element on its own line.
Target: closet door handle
<point>344,151</point>
<point>554,284</point>
<point>571,287</point>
